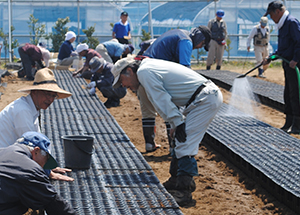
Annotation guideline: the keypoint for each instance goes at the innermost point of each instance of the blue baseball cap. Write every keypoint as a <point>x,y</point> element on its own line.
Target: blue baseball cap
<point>220,13</point>
<point>34,139</point>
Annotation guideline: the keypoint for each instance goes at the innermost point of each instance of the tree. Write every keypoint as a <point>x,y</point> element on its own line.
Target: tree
<point>58,36</point>
<point>228,47</point>
<point>91,41</point>
<point>146,35</point>
<point>36,29</point>
<point>14,42</point>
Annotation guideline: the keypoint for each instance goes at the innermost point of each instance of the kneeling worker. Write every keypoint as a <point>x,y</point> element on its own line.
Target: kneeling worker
<point>103,79</point>
<point>24,183</point>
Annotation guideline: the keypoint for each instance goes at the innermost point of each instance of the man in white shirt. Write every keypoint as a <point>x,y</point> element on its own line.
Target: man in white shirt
<point>166,86</point>
<point>261,37</point>
<point>21,115</point>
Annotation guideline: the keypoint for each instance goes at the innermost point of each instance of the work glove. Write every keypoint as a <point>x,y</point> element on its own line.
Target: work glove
<point>92,91</point>
<point>180,134</point>
<point>91,85</point>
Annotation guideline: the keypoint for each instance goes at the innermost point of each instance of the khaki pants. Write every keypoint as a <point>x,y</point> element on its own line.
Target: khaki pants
<point>215,53</point>
<point>103,52</point>
<point>261,52</point>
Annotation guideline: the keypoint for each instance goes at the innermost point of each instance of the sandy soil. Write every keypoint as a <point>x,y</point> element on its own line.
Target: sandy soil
<point>221,187</point>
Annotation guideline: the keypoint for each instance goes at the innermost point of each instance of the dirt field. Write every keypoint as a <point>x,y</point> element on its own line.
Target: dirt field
<point>221,187</point>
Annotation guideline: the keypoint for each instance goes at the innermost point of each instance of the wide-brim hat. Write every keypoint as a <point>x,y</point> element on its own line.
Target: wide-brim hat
<point>96,63</point>
<point>44,80</point>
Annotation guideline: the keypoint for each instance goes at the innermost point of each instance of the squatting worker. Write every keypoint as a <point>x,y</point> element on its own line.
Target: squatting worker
<point>83,50</point>
<point>168,85</point>
<point>103,79</point>
<point>261,37</point>
<point>22,114</point>
<point>67,54</point>
<point>24,183</point>
<point>288,48</point>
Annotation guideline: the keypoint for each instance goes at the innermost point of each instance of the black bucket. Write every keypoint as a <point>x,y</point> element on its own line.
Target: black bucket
<point>78,151</point>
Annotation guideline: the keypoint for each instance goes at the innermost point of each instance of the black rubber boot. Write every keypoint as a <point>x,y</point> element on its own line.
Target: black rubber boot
<point>207,67</point>
<point>295,129</point>
<point>288,123</point>
<point>218,67</point>
<point>184,187</point>
<point>149,134</point>
<point>186,182</point>
<point>170,184</point>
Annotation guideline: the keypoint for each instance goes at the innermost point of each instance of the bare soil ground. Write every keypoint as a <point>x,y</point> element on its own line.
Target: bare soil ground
<point>221,187</point>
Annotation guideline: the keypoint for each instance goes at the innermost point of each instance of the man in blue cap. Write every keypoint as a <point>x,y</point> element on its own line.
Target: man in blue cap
<point>217,44</point>
<point>24,183</point>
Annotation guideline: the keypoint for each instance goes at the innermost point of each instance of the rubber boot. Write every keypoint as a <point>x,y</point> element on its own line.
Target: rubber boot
<point>260,73</point>
<point>170,139</point>
<point>207,67</point>
<point>170,184</point>
<point>149,134</point>
<point>295,129</point>
<point>218,67</point>
<point>108,103</point>
<point>288,123</point>
<point>184,187</point>
<point>21,73</point>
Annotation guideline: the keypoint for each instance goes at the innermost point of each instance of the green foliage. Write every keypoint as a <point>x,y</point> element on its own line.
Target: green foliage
<point>200,52</point>
<point>228,47</point>
<point>146,35</point>
<point>59,36</point>
<point>14,42</point>
<point>111,25</point>
<point>36,30</point>
<point>91,41</point>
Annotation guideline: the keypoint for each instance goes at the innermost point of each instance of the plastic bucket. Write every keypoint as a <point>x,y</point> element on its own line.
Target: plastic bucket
<point>78,151</point>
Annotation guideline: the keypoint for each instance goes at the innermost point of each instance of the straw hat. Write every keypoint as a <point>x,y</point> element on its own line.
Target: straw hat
<point>44,80</point>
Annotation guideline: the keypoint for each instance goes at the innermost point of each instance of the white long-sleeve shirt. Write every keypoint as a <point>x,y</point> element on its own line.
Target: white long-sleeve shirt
<point>17,118</point>
<point>168,85</point>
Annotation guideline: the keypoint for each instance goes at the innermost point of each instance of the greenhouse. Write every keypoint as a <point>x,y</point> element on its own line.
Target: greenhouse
<point>153,16</point>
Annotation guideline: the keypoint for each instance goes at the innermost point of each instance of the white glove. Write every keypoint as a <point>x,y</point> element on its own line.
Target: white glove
<point>92,91</point>
<point>91,85</point>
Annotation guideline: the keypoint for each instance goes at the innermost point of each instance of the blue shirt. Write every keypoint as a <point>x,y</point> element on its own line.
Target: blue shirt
<point>289,39</point>
<point>174,45</point>
<point>114,49</point>
<point>121,30</point>
<point>65,50</point>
